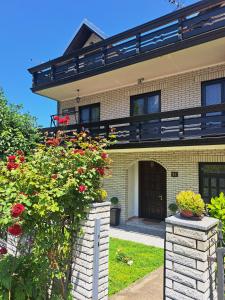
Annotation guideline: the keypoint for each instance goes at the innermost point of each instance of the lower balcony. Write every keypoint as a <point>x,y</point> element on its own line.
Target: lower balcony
<point>185,127</point>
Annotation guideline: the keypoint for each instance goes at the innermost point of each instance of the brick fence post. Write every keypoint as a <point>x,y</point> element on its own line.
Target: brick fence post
<point>189,274</point>
<point>90,263</point>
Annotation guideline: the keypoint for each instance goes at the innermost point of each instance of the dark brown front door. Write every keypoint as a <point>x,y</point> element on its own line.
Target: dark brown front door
<point>152,190</point>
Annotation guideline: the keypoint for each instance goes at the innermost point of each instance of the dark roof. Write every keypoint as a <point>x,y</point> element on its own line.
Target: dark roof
<point>82,35</point>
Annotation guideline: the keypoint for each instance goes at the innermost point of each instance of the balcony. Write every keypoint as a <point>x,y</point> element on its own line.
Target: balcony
<point>186,127</point>
<point>193,25</point>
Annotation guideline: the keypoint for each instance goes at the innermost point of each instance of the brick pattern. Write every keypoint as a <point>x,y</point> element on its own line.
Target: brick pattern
<point>178,91</point>
<point>84,255</point>
<point>186,163</point>
<point>188,272</point>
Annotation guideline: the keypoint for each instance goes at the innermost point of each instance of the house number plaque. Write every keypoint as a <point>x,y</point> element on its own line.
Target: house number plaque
<point>174,174</point>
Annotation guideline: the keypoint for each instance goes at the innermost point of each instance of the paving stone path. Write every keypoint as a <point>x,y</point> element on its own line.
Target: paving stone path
<point>149,287</point>
<point>151,235</point>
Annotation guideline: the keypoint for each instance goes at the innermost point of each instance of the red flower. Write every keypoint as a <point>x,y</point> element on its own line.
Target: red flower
<point>82,188</point>
<point>101,171</point>
<point>56,118</point>
<point>19,152</point>
<point>53,142</point>
<point>104,155</point>
<point>22,159</point>
<point>92,148</point>
<point>11,158</point>
<point>79,151</point>
<point>54,176</point>
<point>12,165</point>
<point>64,120</point>
<point>73,140</point>
<point>17,210</point>
<point>15,230</point>
<point>3,250</point>
<point>80,170</point>
<point>22,193</point>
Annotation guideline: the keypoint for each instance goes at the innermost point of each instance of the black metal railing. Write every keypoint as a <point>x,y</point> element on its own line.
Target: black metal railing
<point>178,125</point>
<point>182,25</point>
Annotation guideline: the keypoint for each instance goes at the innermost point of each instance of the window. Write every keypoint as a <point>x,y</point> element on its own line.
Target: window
<point>213,92</point>
<point>145,104</point>
<point>89,113</point>
<point>212,180</point>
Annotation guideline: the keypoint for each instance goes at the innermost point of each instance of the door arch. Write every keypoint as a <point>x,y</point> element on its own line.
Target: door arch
<point>152,190</point>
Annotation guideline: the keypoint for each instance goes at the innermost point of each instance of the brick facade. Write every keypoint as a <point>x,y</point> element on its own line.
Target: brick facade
<point>179,91</point>
<point>186,163</point>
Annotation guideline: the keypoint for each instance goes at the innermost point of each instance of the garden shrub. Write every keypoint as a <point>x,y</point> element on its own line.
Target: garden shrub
<point>17,130</point>
<point>216,209</point>
<point>43,198</point>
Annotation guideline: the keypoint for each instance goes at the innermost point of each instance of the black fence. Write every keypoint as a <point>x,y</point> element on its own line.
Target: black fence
<point>179,125</point>
<point>190,22</point>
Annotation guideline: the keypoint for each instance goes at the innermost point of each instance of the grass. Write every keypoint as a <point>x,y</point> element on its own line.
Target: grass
<point>145,260</point>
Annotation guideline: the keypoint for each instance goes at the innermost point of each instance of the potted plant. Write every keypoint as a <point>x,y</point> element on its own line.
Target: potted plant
<point>173,208</point>
<point>191,205</point>
<point>115,212</point>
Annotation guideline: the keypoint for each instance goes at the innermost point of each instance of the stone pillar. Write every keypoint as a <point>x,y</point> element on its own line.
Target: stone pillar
<point>189,273</point>
<point>90,264</point>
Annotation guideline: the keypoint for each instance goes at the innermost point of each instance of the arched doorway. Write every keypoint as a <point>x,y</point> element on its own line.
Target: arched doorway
<point>152,190</point>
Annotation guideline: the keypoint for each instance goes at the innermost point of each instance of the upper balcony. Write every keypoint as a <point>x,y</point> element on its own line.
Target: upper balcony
<point>186,39</point>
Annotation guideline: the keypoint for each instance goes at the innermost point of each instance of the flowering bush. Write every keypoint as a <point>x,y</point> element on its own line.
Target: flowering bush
<point>17,130</point>
<point>216,209</point>
<point>43,198</point>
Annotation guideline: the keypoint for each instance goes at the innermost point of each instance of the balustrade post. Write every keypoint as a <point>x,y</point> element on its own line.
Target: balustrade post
<point>181,127</point>
<point>52,72</point>
<point>138,42</point>
<point>76,61</point>
<point>104,55</point>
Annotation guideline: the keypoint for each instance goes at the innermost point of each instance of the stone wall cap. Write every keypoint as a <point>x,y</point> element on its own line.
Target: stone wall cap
<point>100,204</point>
<point>205,224</point>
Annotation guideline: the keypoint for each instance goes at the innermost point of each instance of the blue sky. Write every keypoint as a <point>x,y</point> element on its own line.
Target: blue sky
<point>32,32</point>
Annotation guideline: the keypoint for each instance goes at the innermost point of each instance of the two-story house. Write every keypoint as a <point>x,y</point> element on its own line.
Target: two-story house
<point>161,86</point>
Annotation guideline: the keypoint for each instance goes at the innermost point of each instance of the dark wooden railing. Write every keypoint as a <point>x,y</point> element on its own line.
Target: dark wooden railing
<point>135,44</point>
<point>179,125</point>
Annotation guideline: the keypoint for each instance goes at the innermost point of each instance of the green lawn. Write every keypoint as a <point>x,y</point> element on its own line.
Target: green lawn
<point>146,259</point>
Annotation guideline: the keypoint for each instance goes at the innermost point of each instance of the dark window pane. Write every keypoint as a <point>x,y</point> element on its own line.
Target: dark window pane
<point>205,192</point>
<point>213,94</point>
<point>85,115</point>
<point>95,114</point>
<point>213,169</point>
<point>213,182</point>
<point>206,182</point>
<point>222,182</point>
<point>138,107</point>
<point>153,104</point>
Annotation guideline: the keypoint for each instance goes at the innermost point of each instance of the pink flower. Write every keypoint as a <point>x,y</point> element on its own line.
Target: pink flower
<point>79,151</point>
<point>15,230</point>
<point>17,210</point>
<point>22,159</point>
<point>12,165</point>
<point>82,188</point>
<point>3,250</point>
<point>101,171</point>
<point>11,158</point>
<point>104,155</point>
<point>80,170</point>
<point>20,152</point>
